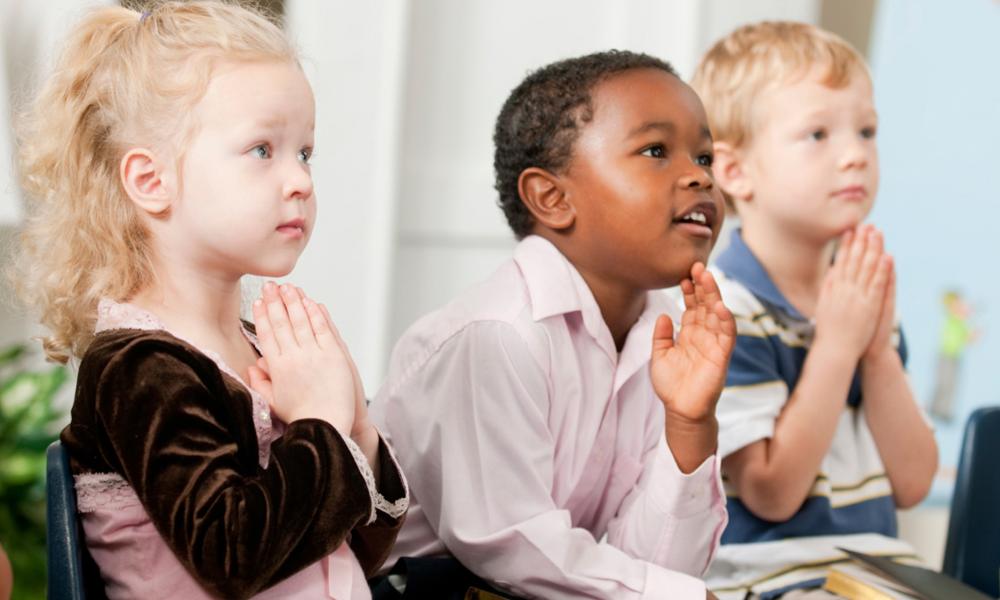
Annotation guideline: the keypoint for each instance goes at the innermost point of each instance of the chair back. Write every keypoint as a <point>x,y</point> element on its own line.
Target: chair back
<point>972,550</point>
<point>65,555</point>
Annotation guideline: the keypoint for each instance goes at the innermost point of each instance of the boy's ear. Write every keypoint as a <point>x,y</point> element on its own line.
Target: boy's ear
<point>543,194</point>
<point>730,172</point>
<point>142,176</point>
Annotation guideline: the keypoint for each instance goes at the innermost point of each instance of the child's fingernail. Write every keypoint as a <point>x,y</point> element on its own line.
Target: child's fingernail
<point>258,303</point>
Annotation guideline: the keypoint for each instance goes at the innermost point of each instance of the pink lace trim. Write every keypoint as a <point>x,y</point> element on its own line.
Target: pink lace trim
<point>96,491</point>
<point>379,502</point>
<point>398,508</point>
<point>115,315</point>
<point>121,315</point>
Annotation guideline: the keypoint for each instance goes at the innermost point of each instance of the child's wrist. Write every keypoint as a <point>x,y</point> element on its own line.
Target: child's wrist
<point>340,422</point>
<point>367,439</point>
<point>679,426</point>
<point>883,356</point>
<point>365,435</point>
<point>834,352</point>
<point>699,418</point>
<point>691,442</point>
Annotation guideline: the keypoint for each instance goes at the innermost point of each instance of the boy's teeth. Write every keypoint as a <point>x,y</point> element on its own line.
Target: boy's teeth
<point>697,217</point>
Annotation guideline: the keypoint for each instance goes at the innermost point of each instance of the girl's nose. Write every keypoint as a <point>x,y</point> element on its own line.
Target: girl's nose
<point>298,182</point>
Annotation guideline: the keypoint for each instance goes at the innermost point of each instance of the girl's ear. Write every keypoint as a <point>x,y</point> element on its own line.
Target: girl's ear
<point>142,177</point>
<point>730,172</point>
<point>543,194</point>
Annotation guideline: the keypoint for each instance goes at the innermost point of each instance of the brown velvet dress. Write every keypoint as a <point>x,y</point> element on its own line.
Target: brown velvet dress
<point>161,414</point>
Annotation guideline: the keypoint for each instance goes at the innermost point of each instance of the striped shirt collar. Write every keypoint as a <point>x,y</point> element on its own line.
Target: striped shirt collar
<point>738,262</point>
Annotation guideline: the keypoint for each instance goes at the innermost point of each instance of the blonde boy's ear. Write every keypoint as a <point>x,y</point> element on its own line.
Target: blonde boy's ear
<point>730,173</point>
<point>142,177</point>
<point>544,196</point>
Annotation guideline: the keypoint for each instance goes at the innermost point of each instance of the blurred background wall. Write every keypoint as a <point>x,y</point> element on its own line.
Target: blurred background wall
<point>407,91</point>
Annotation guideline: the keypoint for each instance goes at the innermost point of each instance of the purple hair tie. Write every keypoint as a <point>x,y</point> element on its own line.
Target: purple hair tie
<point>145,14</point>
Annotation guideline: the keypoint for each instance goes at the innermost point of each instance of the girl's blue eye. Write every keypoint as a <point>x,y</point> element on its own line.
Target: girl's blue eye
<point>655,151</point>
<point>262,151</point>
<point>705,160</point>
<point>868,133</point>
<point>304,155</point>
<point>818,135</point>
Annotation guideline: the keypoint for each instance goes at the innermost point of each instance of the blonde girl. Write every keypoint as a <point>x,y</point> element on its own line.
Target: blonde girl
<point>166,157</point>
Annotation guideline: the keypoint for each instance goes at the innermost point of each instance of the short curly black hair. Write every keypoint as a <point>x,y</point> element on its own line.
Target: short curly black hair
<point>541,119</point>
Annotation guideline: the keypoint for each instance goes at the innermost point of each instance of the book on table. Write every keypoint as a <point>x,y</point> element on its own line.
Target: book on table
<point>854,581</point>
<point>880,578</point>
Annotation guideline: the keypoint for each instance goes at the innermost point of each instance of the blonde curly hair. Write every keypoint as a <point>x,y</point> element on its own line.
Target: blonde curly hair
<point>125,78</point>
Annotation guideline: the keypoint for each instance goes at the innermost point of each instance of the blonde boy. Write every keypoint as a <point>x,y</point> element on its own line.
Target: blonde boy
<point>808,464</point>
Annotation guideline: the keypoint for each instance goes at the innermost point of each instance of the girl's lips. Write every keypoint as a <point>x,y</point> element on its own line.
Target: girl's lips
<point>295,228</point>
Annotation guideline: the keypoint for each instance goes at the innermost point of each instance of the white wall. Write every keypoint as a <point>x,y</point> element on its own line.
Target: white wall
<point>29,33</point>
<point>719,17</point>
<point>10,200</point>
<point>353,55</point>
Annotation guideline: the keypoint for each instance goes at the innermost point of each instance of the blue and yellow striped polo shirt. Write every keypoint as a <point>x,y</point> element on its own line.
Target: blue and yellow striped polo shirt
<point>851,493</point>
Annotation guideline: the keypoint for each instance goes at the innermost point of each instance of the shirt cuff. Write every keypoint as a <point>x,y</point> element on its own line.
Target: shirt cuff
<point>366,473</point>
<point>398,506</point>
<point>663,583</point>
<point>684,495</point>
<point>392,483</point>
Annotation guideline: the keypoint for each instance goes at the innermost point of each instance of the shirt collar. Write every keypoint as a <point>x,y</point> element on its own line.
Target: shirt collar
<point>738,262</point>
<point>555,287</point>
<point>122,315</point>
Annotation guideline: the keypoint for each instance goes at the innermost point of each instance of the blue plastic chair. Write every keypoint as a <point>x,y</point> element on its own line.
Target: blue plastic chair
<point>972,552</point>
<point>65,551</point>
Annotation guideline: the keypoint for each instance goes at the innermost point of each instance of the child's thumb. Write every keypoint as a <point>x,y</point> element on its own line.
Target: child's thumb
<point>260,383</point>
<point>663,334</point>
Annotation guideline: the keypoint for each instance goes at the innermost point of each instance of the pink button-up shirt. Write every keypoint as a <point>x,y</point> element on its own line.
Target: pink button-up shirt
<point>535,451</point>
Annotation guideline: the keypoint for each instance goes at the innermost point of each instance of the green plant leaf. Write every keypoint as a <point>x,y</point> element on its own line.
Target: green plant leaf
<point>27,426</point>
<point>18,391</point>
<point>12,353</point>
